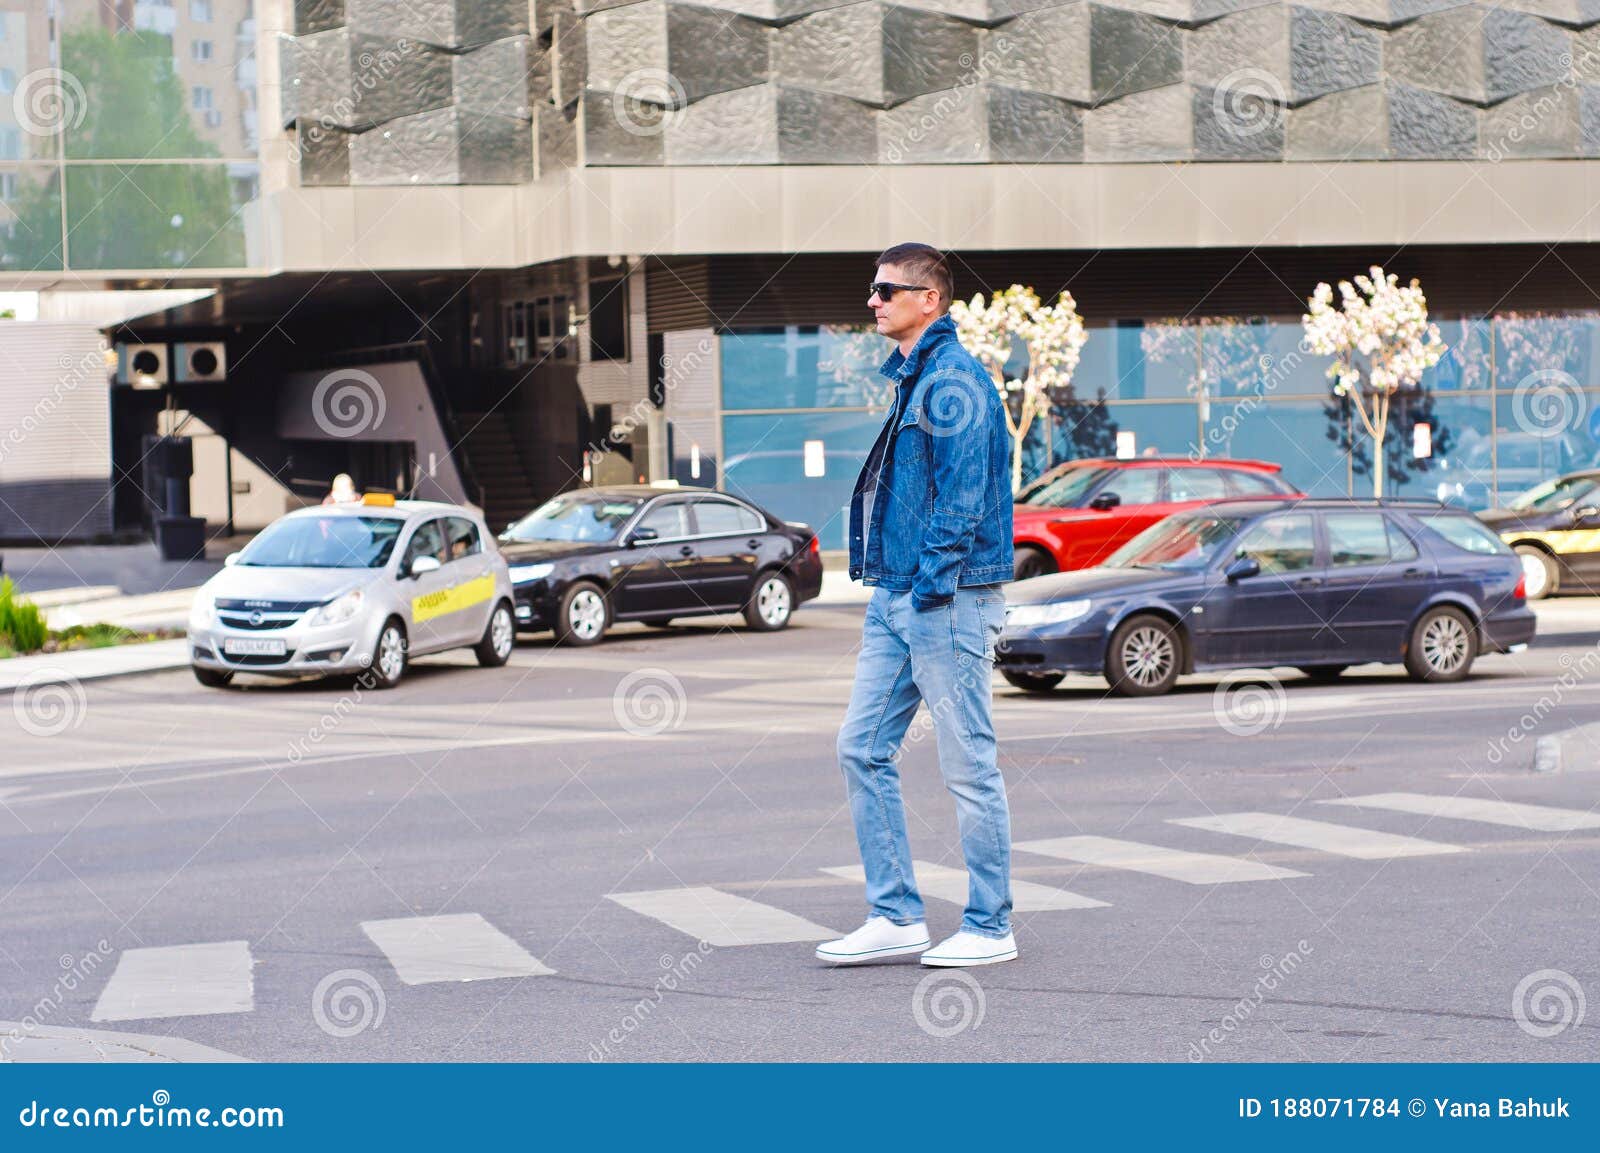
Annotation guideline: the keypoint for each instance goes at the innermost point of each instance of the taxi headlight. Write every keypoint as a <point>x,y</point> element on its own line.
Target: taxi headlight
<point>1047,614</point>
<point>203,612</point>
<point>530,572</point>
<point>338,610</point>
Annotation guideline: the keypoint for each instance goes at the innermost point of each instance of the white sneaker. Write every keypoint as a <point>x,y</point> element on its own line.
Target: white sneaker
<point>965,949</point>
<point>877,939</point>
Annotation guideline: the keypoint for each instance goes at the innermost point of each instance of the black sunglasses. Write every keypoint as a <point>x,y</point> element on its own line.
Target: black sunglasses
<point>886,289</point>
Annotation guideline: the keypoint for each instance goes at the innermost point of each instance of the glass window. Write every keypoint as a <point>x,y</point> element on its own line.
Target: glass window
<point>1466,532</point>
<point>1555,495</point>
<point>1134,485</point>
<point>1401,546</point>
<point>722,516</point>
<point>1357,538</point>
<point>1534,444</point>
<point>1155,359</point>
<point>1169,429</point>
<point>1195,484</point>
<point>669,518</point>
<point>1063,488</point>
<point>200,98</point>
<point>608,319</point>
<point>804,366</point>
<point>464,539</point>
<point>1284,542</point>
<point>158,215</point>
<point>1244,482</point>
<point>576,516</point>
<point>200,50</point>
<point>1189,541</point>
<point>428,540</point>
<point>1297,434</point>
<point>200,10</point>
<point>324,542</point>
<point>30,218</point>
<point>765,463</point>
<point>1465,364</point>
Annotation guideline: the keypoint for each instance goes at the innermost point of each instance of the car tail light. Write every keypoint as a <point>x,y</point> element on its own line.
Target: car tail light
<point>815,547</point>
<point>1521,591</point>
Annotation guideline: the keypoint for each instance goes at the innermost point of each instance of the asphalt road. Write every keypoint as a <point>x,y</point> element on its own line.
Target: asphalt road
<point>307,871</point>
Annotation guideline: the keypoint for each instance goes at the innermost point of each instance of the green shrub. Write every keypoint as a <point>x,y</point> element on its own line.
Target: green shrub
<point>21,623</point>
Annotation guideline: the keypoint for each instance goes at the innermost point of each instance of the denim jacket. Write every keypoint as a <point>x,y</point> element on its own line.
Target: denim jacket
<point>931,510</point>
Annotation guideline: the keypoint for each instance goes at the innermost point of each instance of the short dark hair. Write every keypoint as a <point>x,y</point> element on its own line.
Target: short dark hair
<point>923,264</point>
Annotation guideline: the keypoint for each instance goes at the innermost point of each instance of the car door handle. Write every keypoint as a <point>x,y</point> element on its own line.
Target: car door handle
<point>1413,574</point>
<point>686,550</point>
<point>753,543</point>
<point>1307,582</point>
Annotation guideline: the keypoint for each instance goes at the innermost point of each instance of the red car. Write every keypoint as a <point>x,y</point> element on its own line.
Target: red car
<point>1079,513</point>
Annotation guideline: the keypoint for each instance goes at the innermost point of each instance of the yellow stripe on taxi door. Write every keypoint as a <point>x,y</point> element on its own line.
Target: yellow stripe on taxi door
<point>453,599</point>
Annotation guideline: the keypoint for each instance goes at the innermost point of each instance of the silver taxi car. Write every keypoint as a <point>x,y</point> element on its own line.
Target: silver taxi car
<point>355,587</point>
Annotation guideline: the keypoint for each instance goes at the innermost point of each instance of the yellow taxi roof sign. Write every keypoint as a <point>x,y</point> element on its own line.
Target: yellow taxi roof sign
<point>378,499</point>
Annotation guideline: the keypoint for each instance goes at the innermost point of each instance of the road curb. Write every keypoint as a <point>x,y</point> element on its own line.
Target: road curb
<point>24,1044</point>
<point>93,664</point>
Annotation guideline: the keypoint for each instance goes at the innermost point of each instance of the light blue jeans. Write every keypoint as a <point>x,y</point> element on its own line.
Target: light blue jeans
<point>943,657</point>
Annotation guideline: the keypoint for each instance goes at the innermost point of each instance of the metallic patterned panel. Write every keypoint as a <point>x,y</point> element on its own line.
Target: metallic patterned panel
<point>495,149</point>
<point>544,13</point>
<point>555,138</point>
<point>1427,126</point>
<point>322,86</point>
<point>1521,53</point>
<point>618,130</point>
<point>738,127</point>
<point>1589,119</point>
<point>324,155</point>
<point>448,146</point>
<point>1154,125</point>
<point>1329,53</point>
<point>1033,128</point>
<point>710,51</point>
<point>1254,42</point>
<point>571,60</point>
<point>1348,125</point>
<point>624,44</point>
<point>949,127</point>
<point>1237,123</point>
<point>839,51</point>
<point>923,52</point>
<point>397,77</point>
<point>820,128</point>
<point>1044,51</point>
<point>1442,52</point>
<point>1545,122</point>
<point>495,78</point>
<point>1130,52</point>
<point>288,80</point>
<point>445,23</point>
<point>317,15</point>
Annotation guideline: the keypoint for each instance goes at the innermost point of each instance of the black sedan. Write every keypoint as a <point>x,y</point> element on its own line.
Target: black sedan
<point>593,556</point>
<point>1315,584</point>
<point>1555,528</point>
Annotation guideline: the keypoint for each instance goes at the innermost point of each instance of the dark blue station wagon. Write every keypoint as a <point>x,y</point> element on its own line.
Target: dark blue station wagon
<point>1318,585</point>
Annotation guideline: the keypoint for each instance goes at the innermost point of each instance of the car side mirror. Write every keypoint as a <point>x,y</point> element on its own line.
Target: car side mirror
<point>1587,513</point>
<point>641,536</point>
<point>230,560</point>
<point>424,564</point>
<point>1105,500</point>
<point>1240,567</point>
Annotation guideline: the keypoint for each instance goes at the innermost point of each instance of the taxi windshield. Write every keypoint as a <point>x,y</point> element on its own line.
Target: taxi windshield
<point>324,542</point>
<point>1179,542</point>
<point>579,516</point>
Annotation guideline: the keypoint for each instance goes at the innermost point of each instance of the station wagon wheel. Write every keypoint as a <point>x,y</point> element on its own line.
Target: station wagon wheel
<point>582,616</point>
<point>1539,572</point>
<point>389,661</point>
<point>1442,646</point>
<point>499,638</point>
<point>772,603</point>
<point>1028,561</point>
<point>1032,682</point>
<point>1144,657</point>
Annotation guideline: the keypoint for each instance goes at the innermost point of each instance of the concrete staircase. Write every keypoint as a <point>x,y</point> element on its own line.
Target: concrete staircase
<point>491,450</point>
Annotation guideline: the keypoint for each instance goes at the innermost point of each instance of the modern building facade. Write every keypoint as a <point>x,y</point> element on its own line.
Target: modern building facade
<point>585,240</point>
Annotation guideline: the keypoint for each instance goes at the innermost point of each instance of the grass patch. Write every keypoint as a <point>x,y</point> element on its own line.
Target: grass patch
<point>23,631</point>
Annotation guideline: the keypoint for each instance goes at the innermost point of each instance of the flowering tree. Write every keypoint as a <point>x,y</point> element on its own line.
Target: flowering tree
<point>1383,328</point>
<point>1054,336</point>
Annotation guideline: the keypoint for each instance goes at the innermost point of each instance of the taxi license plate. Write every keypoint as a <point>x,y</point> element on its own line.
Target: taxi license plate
<point>254,647</point>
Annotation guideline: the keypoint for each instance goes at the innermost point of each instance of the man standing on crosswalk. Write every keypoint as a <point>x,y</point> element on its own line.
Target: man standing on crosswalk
<point>930,529</point>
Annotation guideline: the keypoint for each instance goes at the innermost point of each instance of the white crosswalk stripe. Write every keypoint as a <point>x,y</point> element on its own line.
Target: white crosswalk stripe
<point>1538,818</point>
<point>452,947</point>
<point>178,981</point>
<point>1363,844</point>
<point>1174,864</point>
<point>720,918</point>
<point>946,884</point>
